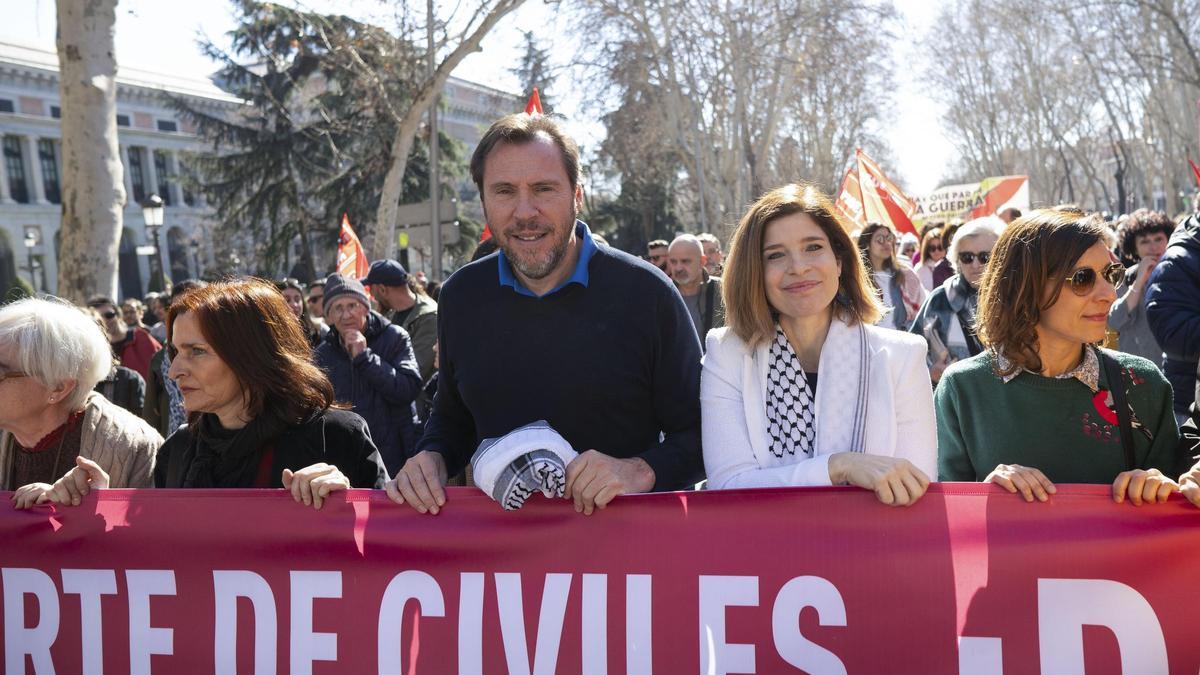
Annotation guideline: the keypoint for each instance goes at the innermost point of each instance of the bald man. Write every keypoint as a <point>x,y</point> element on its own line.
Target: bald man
<point>701,291</point>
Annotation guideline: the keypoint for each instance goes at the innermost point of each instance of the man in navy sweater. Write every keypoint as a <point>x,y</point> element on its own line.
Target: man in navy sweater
<point>552,326</point>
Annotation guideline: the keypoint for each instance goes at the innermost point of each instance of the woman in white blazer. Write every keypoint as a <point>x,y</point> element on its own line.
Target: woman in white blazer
<point>799,305</point>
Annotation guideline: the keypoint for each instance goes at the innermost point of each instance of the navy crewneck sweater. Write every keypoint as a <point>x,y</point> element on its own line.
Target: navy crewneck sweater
<point>609,366</point>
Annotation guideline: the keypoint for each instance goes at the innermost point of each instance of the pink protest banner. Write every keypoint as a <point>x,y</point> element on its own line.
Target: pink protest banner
<point>971,579</point>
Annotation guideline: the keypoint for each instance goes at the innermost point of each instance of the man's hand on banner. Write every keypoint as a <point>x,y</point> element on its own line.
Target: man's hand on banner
<point>1148,487</point>
<point>593,479</point>
<point>66,491</point>
<point>312,484</point>
<point>420,483</point>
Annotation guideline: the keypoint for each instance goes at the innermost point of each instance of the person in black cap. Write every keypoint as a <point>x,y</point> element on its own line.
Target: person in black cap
<point>371,364</point>
<point>403,295</point>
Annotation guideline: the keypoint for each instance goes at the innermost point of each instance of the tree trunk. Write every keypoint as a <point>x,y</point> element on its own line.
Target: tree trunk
<point>383,238</point>
<point>93,184</point>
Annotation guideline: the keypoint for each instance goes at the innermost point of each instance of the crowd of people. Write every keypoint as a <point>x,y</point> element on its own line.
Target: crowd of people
<point>812,353</point>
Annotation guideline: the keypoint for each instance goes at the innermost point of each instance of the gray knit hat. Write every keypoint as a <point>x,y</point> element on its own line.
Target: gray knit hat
<point>337,285</point>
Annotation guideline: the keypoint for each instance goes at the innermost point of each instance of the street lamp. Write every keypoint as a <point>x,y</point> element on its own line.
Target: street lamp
<point>152,214</point>
<point>31,240</point>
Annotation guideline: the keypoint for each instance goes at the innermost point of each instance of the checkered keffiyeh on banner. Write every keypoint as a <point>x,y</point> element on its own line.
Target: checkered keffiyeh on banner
<point>529,459</point>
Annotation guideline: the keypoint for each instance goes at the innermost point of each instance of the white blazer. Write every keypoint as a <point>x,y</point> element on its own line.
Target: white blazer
<point>900,421</point>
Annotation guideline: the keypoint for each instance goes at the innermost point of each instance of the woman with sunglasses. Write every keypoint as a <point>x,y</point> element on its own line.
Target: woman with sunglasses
<point>1042,404</point>
<point>947,319</point>
<point>894,282</point>
<point>929,255</point>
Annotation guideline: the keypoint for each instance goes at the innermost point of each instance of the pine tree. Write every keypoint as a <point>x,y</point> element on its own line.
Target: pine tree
<point>311,143</point>
<point>535,71</point>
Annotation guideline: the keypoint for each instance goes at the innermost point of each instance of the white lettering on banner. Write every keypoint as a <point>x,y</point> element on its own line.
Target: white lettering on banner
<point>1065,606</point>
<point>639,656</point>
<point>308,646</point>
<point>980,656</point>
<point>595,624</point>
<point>145,640</point>
<point>90,585</point>
<point>409,585</point>
<point>228,586</point>
<point>20,640</point>
<point>470,623</point>
<point>550,621</point>
<point>716,593</point>
<point>795,595</point>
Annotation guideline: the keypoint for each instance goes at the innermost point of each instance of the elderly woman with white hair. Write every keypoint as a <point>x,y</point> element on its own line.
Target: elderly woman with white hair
<point>947,319</point>
<point>58,438</point>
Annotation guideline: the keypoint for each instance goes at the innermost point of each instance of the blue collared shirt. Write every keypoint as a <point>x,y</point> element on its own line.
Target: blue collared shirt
<point>578,276</point>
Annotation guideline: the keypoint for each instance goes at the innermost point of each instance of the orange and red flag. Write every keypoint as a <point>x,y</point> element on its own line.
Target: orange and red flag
<point>351,259</point>
<point>868,195</point>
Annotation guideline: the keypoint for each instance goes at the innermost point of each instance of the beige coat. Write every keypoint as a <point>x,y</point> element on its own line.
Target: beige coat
<point>122,444</point>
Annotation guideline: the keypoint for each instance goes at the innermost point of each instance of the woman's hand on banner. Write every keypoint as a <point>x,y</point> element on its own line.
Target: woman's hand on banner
<point>895,482</point>
<point>312,484</point>
<point>1030,482</point>
<point>1149,487</point>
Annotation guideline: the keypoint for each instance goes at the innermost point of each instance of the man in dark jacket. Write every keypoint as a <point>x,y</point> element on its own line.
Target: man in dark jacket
<point>371,364</point>
<point>403,301</point>
<point>1173,311</point>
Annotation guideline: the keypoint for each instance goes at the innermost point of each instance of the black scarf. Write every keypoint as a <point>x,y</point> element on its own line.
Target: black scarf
<point>228,459</point>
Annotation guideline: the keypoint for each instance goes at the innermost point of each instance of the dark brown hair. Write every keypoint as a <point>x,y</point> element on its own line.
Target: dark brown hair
<point>747,312</point>
<point>519,129</point>
<point>1141,223</point>
<point>864,246</point>
<point>927,241</point>
<point>1028,269</point>
<point>249,325</point>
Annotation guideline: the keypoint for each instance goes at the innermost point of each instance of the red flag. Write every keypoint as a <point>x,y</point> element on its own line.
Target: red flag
<point>487,233</point>
<point>351,259</point>
<point>883,201</point>
<point>534,105</point>
<point>1195,170</point>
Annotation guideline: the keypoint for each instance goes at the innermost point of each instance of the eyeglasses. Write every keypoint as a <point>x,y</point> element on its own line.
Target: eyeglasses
<point>11,375</point>
<point>109,314</point>
<point>348,308</point>
<point>1083,280</point>
<point>886,240</point>
<point>968,258</point>
<point>936,247</point>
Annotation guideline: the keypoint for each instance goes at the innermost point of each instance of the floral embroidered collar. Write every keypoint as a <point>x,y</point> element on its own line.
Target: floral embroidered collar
<point>1087,372</point>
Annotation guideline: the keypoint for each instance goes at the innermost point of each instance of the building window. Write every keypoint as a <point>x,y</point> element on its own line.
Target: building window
<point>56,112</point>
<point>167,125</point>
<point>122,120</point>
<point>160,167</point>
<point>137,175</point>
<point>49,162</point>
<point>6,105</point>
<point>185,181</point>
<point>14,161</point>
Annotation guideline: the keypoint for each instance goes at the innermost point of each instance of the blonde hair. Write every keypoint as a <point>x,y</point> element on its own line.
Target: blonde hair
<point>747,312</point>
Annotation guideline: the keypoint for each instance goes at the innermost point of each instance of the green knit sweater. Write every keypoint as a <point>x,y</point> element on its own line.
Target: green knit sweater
<point>1056,425</point>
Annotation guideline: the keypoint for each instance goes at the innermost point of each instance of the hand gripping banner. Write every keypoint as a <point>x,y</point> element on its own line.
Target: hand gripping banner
<point>969,580</point>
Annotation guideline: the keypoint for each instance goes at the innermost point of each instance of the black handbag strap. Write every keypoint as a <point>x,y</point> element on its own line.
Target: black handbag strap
<point>1116,384</point>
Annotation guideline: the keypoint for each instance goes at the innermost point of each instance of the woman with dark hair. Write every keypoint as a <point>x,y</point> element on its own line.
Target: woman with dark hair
<point>929,255</point>
<point>800,305</point>
<point>1042,404</point>
<point>259,412</point>
<point>1144,240</point>
<point>293,294</point>
<point>895,282</point>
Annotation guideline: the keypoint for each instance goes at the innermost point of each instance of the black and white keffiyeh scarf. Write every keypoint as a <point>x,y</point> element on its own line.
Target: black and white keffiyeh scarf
<point>791,403</point>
